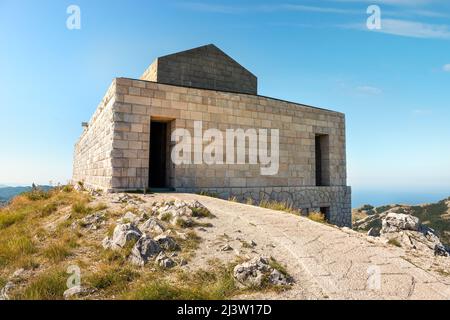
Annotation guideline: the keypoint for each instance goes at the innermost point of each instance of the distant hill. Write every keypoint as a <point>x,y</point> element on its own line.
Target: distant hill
<point>7,193</point>
<point>434,215</point>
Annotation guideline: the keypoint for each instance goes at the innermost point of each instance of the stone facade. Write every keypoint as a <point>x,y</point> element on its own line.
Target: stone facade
<point>113,153</point>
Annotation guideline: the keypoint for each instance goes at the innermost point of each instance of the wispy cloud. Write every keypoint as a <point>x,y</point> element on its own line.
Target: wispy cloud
<point>408,3</point>
<point>408,29</point>
<point>236,9</point>
<point>446,67</point>
<point>421,112</point>
<point>369,90</point>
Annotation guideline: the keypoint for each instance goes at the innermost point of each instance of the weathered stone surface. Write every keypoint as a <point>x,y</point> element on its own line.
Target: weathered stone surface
<point>144,249</point>
<point>93,221</point>
<point>164,261</point>
<point>75,291</point>
<point>253,273</point>
<point>123,233</point>
<point>395,222</point>
<point>152,225</point>
<point>167,242</point>
<point>130,217</point>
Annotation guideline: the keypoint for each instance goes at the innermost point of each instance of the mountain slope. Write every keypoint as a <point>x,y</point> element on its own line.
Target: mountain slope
<point>40,236</point>
<point>434,215</point>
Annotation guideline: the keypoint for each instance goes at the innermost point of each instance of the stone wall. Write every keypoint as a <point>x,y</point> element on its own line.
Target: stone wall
<point>92,163</point>
<point>139,101</point>
<point>308,199</point>
<point>204,67</point>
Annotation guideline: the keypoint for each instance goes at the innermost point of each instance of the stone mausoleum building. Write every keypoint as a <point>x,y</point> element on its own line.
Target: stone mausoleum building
<point>127,143</point>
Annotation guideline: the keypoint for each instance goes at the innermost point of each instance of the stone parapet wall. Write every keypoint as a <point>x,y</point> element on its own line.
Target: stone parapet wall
<point>306,199</point>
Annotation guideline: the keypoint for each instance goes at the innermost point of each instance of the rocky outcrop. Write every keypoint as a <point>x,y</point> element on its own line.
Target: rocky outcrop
<point>179,212</point>
<point>123,234</point>
<point>398,225</point>
<point>396,222</point>
<point>255,272</point>
<point>144,249</point>
<point>152,225</point>
<point>167,243</point>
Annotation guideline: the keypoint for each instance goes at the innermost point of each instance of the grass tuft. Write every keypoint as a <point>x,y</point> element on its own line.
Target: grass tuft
<point>394,242</point>
<point>317,217</point>
<point>48,286</point>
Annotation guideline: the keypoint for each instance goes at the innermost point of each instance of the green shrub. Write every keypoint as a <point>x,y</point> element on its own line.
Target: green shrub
<point>38,194</point>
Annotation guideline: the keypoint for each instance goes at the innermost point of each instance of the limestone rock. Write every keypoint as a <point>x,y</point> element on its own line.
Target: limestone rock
<point>123,233</point>
<point>152,225</point>
<point>279,279</point>
<point>74,291</point>
<point>165,261</point>
<point>130,217</point>
<point>144,249</point>
<point>93,221</point>
<point>254,271</point>
<point>395,222</point>
<point>4,292</point>
<point>373,232</point>
<point>167,243</point>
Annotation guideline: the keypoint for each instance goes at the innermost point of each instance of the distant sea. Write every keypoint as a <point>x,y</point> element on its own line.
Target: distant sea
<point>383,197</point>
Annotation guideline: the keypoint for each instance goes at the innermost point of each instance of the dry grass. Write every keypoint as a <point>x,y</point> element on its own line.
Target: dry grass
<point>214,283</point>
<point>47,286</point>
<point>395,242</point>
<point>317,217</point>
<point>25,242</point>
<point>111,279</point>
<point>279,206</point>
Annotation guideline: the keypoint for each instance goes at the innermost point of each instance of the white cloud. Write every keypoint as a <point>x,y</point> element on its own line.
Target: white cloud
<point>421,112</point>
<point>235,9</point>
<point>414,29</point>
<point>393,2</point>
<point>369,90</point>
<point>407,29</point>
<point>446,67</point>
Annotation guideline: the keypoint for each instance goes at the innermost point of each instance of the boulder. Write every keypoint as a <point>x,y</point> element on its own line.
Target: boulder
<point>252,273</point>
<point>167,243</point>
<point>144,249</point>
<point>4,292</point>
<point>373,232</point>
<point>164,261</point>
<point>129,217</point>
<point>75,291</point>
<point>152,225</point>
<point>279,279</point>
<point>93,221</point>
<point>123,234</point>
<point>396,222</point>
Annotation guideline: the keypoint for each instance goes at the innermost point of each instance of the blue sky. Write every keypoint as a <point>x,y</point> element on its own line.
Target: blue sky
<point>393,84</point>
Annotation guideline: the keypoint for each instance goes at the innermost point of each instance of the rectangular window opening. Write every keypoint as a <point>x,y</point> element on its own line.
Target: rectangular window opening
<point>322,160</point>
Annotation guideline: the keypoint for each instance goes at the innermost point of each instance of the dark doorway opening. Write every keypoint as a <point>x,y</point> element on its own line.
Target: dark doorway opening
<point>157,165</point>
<point>326,212</point>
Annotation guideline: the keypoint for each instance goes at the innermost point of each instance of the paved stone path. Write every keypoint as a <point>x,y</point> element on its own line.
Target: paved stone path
<point>326,261</point>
